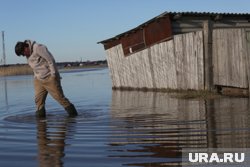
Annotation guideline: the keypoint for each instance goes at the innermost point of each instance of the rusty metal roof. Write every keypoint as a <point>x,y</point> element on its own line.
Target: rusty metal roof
<point>198,14</point>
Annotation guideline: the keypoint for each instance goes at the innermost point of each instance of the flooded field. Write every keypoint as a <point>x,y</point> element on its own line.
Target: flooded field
<point>114,128</point>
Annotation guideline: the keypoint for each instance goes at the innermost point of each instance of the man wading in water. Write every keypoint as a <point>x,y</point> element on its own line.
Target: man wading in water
<point>46,76</point>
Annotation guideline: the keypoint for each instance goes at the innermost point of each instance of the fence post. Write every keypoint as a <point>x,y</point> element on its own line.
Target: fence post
<point>248,58</point>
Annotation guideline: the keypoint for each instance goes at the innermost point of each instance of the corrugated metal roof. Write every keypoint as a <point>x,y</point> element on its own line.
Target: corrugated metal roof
<point>204,14</point>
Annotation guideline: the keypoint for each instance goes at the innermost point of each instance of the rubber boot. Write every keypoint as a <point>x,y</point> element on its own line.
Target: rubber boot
<point>71,110</point>
<point>41,113</point>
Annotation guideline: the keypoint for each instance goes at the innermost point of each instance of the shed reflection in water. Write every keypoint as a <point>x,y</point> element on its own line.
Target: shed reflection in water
<point>156,126</point>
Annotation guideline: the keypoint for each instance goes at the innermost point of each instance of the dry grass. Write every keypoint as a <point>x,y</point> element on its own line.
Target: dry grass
<point>15,70</point>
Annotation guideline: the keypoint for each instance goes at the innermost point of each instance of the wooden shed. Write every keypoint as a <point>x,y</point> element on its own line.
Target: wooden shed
<point>183,50</point>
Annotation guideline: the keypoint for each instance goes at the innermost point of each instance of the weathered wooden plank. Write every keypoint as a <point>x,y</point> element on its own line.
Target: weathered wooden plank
<point>229,58</point>
<point>215,58</point>
<point>208,69</point>
<point>163,61</point>
<point>247,46</point>
<point>192,74</point>
<point>200,59</point>
<point>178,52</point>
<point>189,61</point>
<point>170,70</point>
<point>112,60</point>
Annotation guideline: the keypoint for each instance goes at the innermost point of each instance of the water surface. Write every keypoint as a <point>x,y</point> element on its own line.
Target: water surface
<point>114,128</point>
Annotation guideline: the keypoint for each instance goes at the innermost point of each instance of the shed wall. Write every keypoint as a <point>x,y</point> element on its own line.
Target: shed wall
<point>230,58</point>
<point>175,64</point>
<point>132,71</point>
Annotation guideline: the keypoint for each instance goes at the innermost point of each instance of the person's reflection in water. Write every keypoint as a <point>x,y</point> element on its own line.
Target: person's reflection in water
<point>51,141</point>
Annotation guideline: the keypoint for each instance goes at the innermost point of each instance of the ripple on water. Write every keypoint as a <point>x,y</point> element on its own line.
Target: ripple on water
<point>115,137</point>
<point>91,135</point>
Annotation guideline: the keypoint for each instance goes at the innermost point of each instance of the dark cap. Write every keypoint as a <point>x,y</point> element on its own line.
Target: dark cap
<point>19,48</point>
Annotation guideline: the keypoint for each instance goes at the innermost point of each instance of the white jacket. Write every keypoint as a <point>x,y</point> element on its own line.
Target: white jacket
<point>41,61</point>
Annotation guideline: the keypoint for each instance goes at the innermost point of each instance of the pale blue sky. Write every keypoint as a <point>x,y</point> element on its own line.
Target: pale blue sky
<point>72,28</point>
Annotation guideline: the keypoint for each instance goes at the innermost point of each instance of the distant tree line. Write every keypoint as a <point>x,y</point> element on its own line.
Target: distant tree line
<point>70,64</point>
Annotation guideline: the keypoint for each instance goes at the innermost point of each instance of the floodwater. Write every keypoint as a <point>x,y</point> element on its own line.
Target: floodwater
<point>114,128</point>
